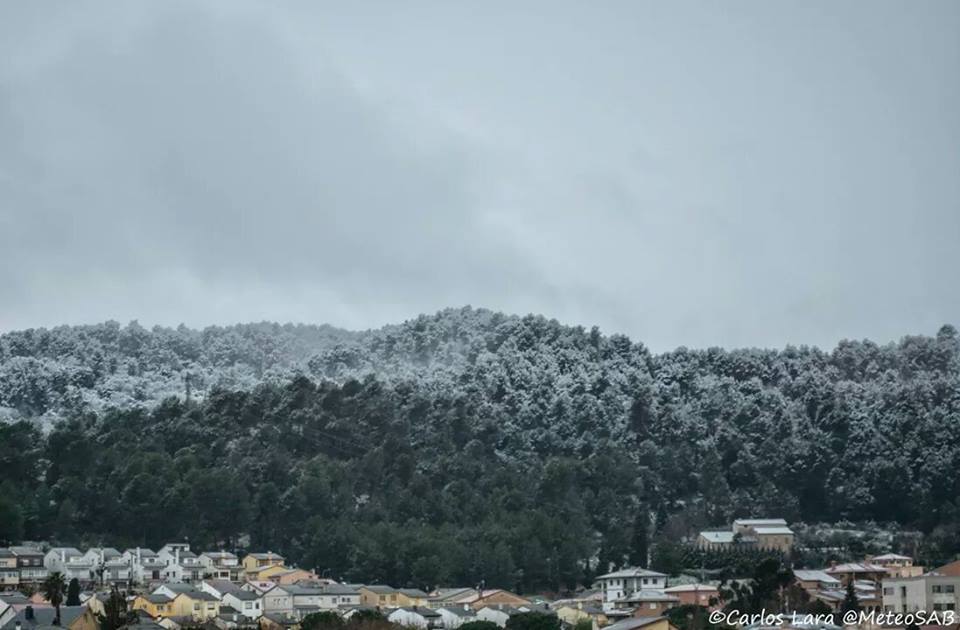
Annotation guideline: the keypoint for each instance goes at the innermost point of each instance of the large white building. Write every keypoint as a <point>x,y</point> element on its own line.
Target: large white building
<point>928,593</point>
<point>624,583</point>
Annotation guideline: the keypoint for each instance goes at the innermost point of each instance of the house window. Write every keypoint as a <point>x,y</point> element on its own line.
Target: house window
<point>949,588</point>
<point>937,588</point>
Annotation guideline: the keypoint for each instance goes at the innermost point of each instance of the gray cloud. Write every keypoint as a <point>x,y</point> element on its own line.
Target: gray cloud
<point>751,174</point>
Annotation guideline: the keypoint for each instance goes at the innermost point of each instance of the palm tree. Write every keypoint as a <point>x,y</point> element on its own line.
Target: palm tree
<point>53,589</point>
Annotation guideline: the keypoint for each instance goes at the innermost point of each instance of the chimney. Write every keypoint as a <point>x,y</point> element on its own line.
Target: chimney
<point>63,556</point>
<point>28,613</point>
<point>17,626</point>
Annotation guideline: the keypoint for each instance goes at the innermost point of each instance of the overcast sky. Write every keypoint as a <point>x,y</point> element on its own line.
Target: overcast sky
<point>717,173</point>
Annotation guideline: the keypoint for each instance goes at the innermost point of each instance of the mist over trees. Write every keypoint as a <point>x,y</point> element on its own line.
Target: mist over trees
<point>467,445</point>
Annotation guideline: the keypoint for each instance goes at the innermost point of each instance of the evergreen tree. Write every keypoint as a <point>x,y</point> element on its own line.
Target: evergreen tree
<point>73,592</point>
<point>850,600</point>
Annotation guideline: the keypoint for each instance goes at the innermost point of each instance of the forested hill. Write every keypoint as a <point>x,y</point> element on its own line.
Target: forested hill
<point>466,445</point>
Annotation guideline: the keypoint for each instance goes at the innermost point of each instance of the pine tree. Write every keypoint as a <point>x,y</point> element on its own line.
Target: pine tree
<point>850,601</point>
<point>73,593</point>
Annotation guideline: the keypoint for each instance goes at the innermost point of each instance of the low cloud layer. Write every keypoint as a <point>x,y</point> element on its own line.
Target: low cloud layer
<point>688,174</point>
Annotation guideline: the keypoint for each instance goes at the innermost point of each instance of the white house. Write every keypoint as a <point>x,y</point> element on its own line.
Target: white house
<point>107,565</point>
<point>335,596</point>
<point>497,614</point>
<point>145,565</point>
<point>306,600</point>
<point>422,618</point>
<point>260,587</point>
<point>180,564</point>
<point>455,616</point>
<point>248,604</point>
<point>278,600</point>
<point>619,584</point>
<point>221,565</point>
<point>69,561</point>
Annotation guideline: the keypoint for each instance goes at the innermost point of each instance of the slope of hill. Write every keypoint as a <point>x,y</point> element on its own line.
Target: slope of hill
<point>467,445</point>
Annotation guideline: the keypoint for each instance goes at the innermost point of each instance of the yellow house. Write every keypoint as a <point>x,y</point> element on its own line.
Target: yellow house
<point>199,605</point>
<point>289,576</point>
<point>154,605</point>
<point>378,596</point>
<point>254,562</point>
<point>574,612</point>
<point>267,573</point>
<point>410,597</point>
<point>9,573</point>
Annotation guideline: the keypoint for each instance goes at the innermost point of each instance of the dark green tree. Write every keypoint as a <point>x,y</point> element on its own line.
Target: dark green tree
<point>850,600</point>
<point>73,592</point>
<point>324,620</point>
<point>534,620</point>
<point>115,614</point>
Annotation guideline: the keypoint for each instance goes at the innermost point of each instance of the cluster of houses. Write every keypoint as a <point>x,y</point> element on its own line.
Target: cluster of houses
<point>175,588</point>
<point>889,583</point>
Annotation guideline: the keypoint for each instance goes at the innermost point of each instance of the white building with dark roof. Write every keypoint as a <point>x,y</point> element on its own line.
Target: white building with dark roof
<point>617,585</point>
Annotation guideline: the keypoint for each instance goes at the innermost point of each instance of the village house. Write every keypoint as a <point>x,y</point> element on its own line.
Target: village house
<point>246,603</point>
<point>285,575</point>
<point>422,618</point>
<point>196,604</point>
<point>704,595</point>
<point>106,566</point>
<point>857,571</point>
<point>498,614</point>
<point>254,563</point>
<point>950,569</point>
<point>448,596</point>
<point>897,565</point>
<point>338,596</point>
<point>621,584</point>
<point>145,565</point>
<point>9,573</point>
<point>928,593</point>
<point>453,617</point>
<point>278,599</point>
<point>220,565</point>
<point>71,618</point>
<point>181,564</point>
<point>649,603</point>
<point>29,564</point>
<point>762,533</point>
<point>574,612</point>
<point>411,598</point>
<point>259,587</point>
<point>70,562</point>
<point>154,604</point>
<point>378,595</point>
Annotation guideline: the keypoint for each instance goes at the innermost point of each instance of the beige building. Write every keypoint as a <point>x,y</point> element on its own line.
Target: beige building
<point>763,533</point>
<point>928,593</point>
<point>897,565</point>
